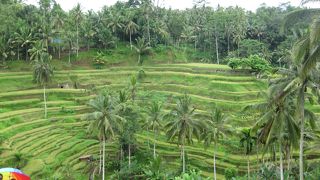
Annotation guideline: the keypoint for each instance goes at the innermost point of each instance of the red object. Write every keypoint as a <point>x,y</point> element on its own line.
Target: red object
<point>19,176</point>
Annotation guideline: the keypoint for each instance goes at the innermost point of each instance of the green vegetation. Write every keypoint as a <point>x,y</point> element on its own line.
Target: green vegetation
<point>131,91</point>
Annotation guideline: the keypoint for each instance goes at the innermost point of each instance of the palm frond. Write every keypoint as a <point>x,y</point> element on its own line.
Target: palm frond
<point>301,15</point>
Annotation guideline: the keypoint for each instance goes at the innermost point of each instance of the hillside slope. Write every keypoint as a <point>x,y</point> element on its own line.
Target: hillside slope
<point>54,145</point>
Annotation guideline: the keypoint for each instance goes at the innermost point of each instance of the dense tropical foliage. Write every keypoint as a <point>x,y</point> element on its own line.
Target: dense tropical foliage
<point>276,48</point>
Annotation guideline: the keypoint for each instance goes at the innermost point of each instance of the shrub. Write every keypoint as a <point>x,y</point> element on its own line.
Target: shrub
<point>254,62</point>
<point>234,63</point>
<point>230,173</point>
<point>192,175</point>
<point>141,74</point>
<point>258,63</point>
<point>99,60</point>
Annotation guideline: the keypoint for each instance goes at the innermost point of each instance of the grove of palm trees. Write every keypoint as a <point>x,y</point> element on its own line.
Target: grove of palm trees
<point>136,90</point>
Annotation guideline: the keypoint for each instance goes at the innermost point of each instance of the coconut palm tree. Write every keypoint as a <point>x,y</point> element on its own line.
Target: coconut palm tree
<point>37,50</point>
<point>278,124</point>
<point>306,53</point>
<point>58,23</point>
<point>77,15</point>
<point>131,28</point>
<point>141,48</point>
<point>183,125</point>
<point>43,74</point>
<point>215,129</point>
<point>146,6</point>
<point>115,23</point>
<point>23,38</point>
<point>105,121</point>
<point>69,36</point>
<point>4,49</point>
<point>247,141</point>
<point>154,122</point>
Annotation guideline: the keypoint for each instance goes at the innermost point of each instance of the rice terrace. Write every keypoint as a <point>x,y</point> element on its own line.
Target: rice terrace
<point>141,89</point>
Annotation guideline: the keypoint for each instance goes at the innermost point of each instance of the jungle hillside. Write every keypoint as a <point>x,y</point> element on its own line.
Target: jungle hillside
<point>139,91</point>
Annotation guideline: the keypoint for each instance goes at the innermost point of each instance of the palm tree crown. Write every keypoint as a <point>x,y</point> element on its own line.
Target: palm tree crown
<point>43,72</point>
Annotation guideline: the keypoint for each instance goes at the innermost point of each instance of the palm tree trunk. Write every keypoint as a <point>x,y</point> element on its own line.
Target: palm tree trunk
<point>121,154</point>
<point>238,50</point>
<point>228,43</point>
<point>130,41</point>
<point>183,160</point>
<point>100,159</point>
<point>59,47</point>
<point>70,55</point>
<point>129,155</point>
<point>288,158</point>
<point>103,157</point>
<point>77,40</point>
<point>281,162</point>
<point>154,144</point>
<point>26,49</point>
<point>214,161</point>
<point>88,44</point>
<point>248,161</point>
<point>149,36</point>
<point>148,141</point>
<point>301,108</point>
<point>257,155</point>
<point>139,59</point>
<point>18,53</point>
<point>45,101</point>
<point>217,49</point>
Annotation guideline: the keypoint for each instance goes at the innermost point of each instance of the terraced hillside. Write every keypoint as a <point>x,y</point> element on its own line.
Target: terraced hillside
<point>55,144</point>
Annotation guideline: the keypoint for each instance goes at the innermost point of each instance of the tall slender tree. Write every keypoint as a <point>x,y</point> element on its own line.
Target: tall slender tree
<point>105,121</point>
<point>77,17</point>
<point>58,22</point>
<point>131,28</point>
<point>247,141</point>
<point>154,122</point>
<point>215,129</point>
<point>43,74</point>
<point>183,125</point>
<point>306,53</point>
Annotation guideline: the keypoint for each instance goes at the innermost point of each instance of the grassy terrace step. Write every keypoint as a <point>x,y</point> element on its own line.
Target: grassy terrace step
<point>34,110</point>
<point>31,143</point>
<point>74,158</point>
<point>70,149</point>
<point>162,73</point>
<point>45,151</point>
<point>39,104</point>
<point>23,141</point>
<point>227,105</point>
<point>40,91</point>
<point>242,97</point>
<point>19,102</point>
<point>203,92</point>
<point>43,132</point>
<point>200,65</point>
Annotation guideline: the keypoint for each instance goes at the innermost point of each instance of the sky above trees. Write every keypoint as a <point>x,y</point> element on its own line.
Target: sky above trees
<point>176,4</point>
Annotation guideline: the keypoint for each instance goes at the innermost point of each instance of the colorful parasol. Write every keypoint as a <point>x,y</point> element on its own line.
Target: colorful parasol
<point>12,174</point>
